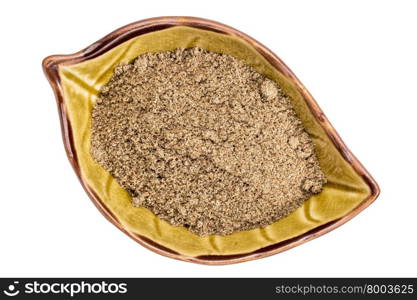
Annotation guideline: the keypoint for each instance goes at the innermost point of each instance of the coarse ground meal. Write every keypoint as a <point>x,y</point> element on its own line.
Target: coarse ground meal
<point>204,141</point>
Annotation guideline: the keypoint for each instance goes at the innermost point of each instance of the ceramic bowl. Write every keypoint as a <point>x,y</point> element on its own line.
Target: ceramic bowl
<point>73,78</point>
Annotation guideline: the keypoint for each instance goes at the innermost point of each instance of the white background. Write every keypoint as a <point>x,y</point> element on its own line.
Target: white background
<point>357,58</point>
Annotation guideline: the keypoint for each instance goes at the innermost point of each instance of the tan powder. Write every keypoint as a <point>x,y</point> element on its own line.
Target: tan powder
<point>204,141</point>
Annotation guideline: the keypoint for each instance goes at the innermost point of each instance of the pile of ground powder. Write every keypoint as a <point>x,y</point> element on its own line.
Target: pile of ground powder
<point>204,141</point>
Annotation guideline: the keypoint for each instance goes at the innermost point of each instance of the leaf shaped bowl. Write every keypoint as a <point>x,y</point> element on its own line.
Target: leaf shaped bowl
<point>76,80</point>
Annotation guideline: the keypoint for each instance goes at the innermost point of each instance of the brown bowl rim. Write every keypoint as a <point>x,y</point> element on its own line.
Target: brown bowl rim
<point>50,67</point>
